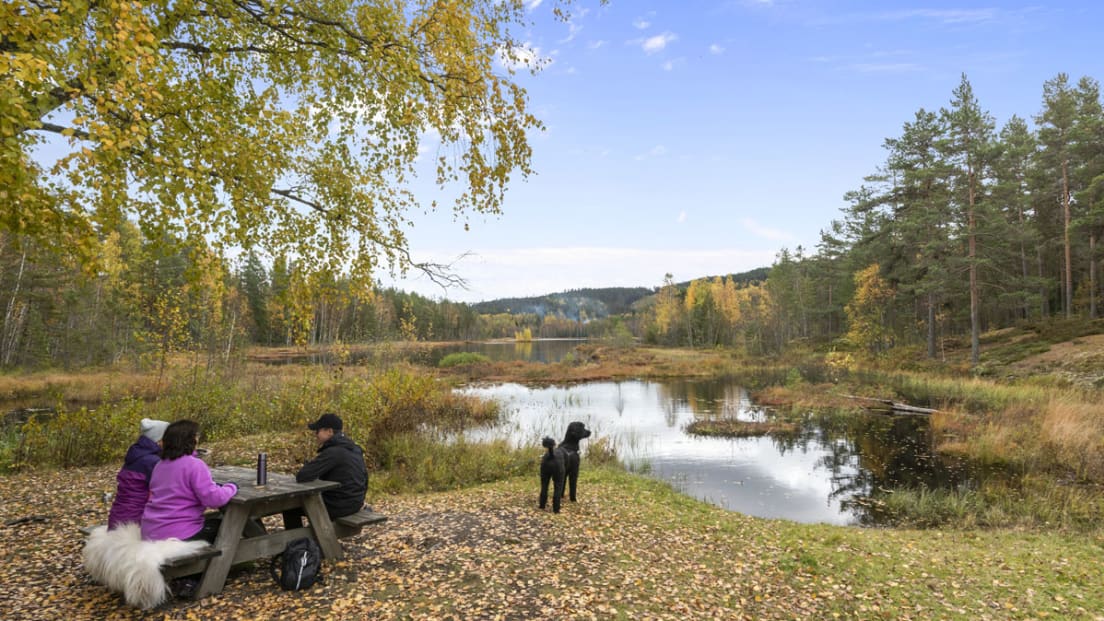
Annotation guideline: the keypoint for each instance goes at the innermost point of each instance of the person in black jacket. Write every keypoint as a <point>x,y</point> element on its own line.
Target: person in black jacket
<point>339,459</point>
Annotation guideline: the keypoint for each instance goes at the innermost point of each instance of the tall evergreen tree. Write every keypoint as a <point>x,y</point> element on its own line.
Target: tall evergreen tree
<point>1089,175</point>
<point>922,218</point>
<point>968,148</point>
<point>1012,198</point>
<point>1057,122</point>
<point>254,284</point>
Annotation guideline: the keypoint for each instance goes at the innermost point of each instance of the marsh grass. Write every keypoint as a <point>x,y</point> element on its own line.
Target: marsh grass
<point>411,463</point>
<point>596,362</point>
<point>1031,502</point>
<point>398,402</point>
<point>87,387</point>
<point>463,358</point>
<point>1073,431</point>
<point>741,428</point>
<point>1021,425</point>
<point>1030,431</point>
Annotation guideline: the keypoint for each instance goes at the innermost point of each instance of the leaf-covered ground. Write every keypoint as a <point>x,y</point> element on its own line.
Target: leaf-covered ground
<point>630,549</point>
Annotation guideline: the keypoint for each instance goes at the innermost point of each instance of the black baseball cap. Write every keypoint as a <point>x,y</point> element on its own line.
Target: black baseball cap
<point>328,420</point>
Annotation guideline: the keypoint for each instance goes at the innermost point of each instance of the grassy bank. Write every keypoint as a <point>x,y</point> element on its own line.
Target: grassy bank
<point>631,548</point>
<point>1045,437</point>
<point>1045,441</point>
<point>384,411</point>
<point>465,539</point>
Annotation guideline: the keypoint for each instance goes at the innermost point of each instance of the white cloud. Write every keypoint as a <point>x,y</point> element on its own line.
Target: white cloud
<point>641,24</point>
<point>596,44</point>
<point>655,151</point>
<point>681,217</point>
<point>519,272</point>
<point>573,31</point>
<point>715,49</point>
<point>668,65</point>
<point>651,45</point>
<point>758,230</point>
<point>943,16</point>
<point>885,67</point>
<point>947,16</point>
<point>533,4</point>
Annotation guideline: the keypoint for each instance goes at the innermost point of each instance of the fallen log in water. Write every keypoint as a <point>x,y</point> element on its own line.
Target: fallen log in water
<point>894,406</point>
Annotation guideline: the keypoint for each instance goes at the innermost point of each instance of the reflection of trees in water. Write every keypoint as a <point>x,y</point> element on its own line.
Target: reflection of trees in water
<point>619,401</point>
<point>867,455</point>
<point>523,350</point>
<point>715,399</point>
<point>670,411</point>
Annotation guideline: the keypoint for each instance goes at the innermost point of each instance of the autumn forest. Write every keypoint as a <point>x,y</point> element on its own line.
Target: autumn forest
<point>965,227</point>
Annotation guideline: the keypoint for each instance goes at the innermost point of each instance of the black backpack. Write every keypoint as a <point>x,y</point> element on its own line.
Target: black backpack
<point>298,565</point>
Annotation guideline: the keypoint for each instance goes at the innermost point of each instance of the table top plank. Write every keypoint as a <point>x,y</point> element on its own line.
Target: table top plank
<point>279,485</point>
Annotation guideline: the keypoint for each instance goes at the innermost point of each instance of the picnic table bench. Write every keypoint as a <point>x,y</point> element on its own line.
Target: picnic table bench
<point>241,539</point>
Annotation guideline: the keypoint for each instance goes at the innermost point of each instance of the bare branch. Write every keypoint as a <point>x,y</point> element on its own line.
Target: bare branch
<point>58,129</point>
<point>291,195</point>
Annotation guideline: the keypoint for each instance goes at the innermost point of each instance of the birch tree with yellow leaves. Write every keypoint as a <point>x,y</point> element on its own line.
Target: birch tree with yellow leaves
<point>294,126</point>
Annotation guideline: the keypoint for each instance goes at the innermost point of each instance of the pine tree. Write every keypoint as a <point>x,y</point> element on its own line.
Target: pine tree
<point>922,218</point>
<point>968,150</point>
<point>1057,123</point>
<point>1012,199</point>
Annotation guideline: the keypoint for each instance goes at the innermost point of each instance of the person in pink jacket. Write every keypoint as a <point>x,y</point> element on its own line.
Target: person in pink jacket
<point>181,489</point>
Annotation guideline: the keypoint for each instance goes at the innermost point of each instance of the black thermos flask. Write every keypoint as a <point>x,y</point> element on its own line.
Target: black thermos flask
<point>262,468</point>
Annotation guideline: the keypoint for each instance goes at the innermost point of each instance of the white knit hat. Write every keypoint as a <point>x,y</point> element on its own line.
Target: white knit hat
<point>153,429</point>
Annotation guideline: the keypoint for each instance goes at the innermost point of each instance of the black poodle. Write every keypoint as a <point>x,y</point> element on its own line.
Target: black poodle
<point>561,464</point>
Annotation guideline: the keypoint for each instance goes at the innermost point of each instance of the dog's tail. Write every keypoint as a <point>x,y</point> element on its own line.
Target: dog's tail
<point>548,443</point>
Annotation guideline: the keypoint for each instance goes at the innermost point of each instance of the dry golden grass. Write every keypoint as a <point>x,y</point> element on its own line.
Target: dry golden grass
<point>1075,431</point>
<point>804,396</point>
<point>597,363</point>
<point>740,428</point>
<point>83,387</point>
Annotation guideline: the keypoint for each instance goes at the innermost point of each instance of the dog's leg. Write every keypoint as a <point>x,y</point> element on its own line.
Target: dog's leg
<point>572,473</point>
<point>545,479</point>
<point>558,492</point>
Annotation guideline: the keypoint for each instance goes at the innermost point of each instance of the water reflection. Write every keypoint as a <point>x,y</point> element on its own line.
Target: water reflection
<point>539,350</point>
<point>815,475</point>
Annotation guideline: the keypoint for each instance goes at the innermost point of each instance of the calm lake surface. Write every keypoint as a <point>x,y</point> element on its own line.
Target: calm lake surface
<point>822,474</point>
<point>539,350</point>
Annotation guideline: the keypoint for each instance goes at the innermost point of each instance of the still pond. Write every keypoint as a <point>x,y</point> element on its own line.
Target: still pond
<point>825,473</point>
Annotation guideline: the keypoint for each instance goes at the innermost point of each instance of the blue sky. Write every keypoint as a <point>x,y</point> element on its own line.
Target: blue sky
<point>701,137</point>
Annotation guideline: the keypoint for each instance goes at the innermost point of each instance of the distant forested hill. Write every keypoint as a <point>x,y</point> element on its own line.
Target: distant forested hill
<point>595,303</point>
<point>758,274</point>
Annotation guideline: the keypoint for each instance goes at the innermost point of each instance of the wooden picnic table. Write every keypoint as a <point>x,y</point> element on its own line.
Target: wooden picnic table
<point>237,544</point>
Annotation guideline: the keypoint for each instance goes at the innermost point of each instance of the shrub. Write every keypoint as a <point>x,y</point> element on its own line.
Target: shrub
<point>602,452</point>
<point>462,358</point>
<point>392,404</point>
<point>412,462</point>
<point>79,437</point>
<point>793,377</point>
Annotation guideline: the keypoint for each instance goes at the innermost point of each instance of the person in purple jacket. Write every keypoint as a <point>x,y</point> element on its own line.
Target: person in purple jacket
<point>181,489</point>
<point>132,482</point>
